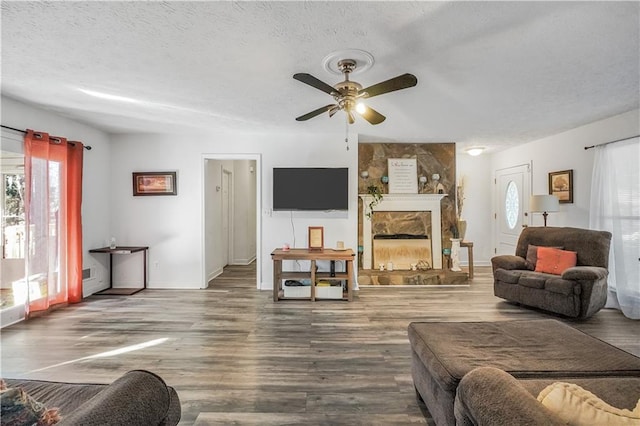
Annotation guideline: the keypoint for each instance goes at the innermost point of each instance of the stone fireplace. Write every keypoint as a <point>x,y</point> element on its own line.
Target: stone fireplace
<point>405,249</point>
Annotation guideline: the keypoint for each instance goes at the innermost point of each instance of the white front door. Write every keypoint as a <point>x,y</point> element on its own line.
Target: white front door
<point>512,186</point>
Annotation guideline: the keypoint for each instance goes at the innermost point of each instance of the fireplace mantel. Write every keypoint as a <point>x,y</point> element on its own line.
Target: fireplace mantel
<point>404,203</point>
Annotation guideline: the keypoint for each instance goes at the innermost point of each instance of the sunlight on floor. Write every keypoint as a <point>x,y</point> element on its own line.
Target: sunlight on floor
<point>114,352</point>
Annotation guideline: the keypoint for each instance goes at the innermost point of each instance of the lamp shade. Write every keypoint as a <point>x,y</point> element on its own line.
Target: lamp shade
<point>544,203</point>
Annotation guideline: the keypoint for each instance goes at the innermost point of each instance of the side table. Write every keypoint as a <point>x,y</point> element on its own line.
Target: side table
<point>469,246</point>
<point>123,250</point>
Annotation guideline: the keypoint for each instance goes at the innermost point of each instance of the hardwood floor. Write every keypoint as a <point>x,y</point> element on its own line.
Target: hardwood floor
<point>236,357</point>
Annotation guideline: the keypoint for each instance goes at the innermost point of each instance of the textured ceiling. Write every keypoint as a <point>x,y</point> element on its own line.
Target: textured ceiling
<point>489,73</point>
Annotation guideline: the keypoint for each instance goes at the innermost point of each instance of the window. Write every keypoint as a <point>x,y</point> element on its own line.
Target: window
<point>511,205</point>
<point>13,232</point>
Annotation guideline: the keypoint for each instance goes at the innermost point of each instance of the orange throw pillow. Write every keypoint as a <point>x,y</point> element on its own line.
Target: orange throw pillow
<point>555,261</point>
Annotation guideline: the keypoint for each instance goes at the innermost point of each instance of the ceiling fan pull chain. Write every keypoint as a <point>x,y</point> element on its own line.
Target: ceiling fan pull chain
<point>346,132</point>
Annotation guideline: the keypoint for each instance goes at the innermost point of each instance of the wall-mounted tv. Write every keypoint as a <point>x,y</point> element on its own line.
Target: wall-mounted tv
<point>310,188</point>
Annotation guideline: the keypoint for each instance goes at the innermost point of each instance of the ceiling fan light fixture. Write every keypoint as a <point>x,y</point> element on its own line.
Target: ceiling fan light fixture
<point>474,151</point>
<point>347,93</point>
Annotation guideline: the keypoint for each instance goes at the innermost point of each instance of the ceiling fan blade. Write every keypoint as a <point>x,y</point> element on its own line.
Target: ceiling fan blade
<point>372,116</point>
<point>315,112</point>
<point>314,82</point>
<point>333,110</point>
<point>400,82</point>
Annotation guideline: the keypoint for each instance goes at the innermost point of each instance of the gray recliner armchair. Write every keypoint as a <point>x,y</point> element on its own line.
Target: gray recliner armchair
<point>579,292</point>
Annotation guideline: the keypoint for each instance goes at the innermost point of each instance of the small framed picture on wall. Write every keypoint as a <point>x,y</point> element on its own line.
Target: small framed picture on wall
<point>561,185</point>
<point>154,183</point>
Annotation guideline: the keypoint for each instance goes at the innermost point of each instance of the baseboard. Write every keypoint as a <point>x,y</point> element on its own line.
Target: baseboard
<point>172,285</point>
<point>11,315</point>
<point>92,286</point>
<point>215,274</point>
<point>243,262</point>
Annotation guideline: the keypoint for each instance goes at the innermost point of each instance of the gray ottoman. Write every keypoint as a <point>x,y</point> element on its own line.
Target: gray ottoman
<point>443,352</point>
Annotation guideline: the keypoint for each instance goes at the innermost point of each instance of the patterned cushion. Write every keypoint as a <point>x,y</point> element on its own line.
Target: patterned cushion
<point>18,409</point>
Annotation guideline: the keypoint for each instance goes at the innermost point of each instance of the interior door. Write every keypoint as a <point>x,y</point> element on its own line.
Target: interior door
<point>226,203</point>
<point>512,186</point>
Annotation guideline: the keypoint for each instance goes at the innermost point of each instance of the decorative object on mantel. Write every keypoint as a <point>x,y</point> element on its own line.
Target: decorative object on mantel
<point>438,188</point>
<point>561,185</point>
<point>423,182</point>
<point>376,194</point>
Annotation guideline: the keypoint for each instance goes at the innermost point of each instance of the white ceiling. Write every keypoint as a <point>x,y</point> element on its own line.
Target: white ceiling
<point>489,73</point>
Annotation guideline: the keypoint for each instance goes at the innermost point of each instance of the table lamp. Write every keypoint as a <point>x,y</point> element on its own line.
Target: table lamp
<point>544,204</point>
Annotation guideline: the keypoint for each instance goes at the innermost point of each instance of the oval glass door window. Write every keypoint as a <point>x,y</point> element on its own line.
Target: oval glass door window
<point>512,205</point>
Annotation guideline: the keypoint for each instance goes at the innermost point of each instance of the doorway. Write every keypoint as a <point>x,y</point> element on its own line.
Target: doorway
<point>513,188</point>
<point>231,217</point>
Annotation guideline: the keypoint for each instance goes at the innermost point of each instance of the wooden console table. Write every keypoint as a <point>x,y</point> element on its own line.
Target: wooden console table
<point>123,250</point>
<point>469,246</point>
<point>278,255</point>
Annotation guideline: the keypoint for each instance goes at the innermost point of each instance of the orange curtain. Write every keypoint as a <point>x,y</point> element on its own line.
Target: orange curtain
<point>53,175</point>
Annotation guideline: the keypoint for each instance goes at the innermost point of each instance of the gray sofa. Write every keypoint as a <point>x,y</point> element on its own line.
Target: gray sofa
<point>579,292</point>
<point>535,353</point>
<point>490,396</point>
<point>137,398</point>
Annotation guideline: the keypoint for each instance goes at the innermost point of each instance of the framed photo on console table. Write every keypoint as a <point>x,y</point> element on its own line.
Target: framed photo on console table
<point>561,185</point>
<point>316,238</point>
<point>154,183</point>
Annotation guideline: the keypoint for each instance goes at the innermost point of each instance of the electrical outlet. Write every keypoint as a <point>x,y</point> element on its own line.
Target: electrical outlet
<point>156,264</point>
<point>266,212</point>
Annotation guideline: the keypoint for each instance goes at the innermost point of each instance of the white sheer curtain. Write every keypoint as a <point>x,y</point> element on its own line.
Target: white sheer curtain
<point>615,207</point>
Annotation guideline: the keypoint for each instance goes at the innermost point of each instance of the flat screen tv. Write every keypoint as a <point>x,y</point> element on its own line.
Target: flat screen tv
<point>310,188</point>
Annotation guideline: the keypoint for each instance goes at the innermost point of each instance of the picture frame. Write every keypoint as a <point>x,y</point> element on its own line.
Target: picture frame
<point>561,185</point>
<point>316,238</point>
<point>155,183</point>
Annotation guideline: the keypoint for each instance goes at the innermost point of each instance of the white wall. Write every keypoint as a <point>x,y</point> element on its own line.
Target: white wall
<point>173,226</point>
<point>566,151</point>
<point>96,177</point>
<point>478,208</point>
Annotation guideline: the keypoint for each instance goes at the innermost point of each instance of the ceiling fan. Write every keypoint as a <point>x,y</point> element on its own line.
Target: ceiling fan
<point>347,94</point>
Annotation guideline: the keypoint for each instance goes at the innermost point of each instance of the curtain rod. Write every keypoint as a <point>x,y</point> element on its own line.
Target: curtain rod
<point>87,147</point>
<point>607,143</point>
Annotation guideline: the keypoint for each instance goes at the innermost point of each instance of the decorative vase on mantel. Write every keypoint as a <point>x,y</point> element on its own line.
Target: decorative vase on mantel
<point>455,254</point>
<point>462,229</point>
